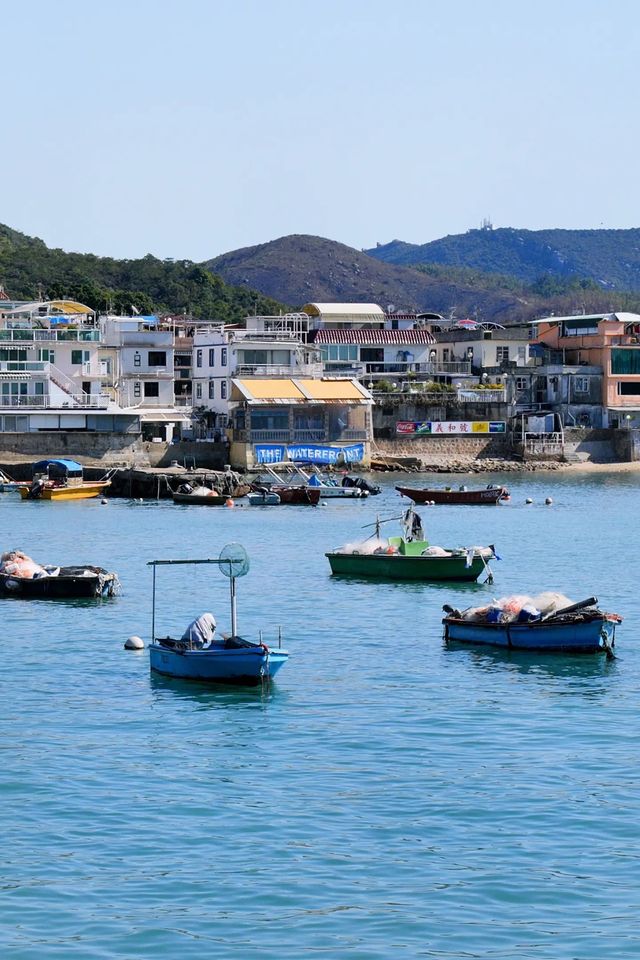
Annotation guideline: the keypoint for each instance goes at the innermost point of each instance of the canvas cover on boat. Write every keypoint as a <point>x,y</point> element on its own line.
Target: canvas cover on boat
<point>58,468</point>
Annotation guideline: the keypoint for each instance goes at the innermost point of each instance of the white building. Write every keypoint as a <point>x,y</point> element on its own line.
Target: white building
<point>267,346</point>
<point>62,368</point>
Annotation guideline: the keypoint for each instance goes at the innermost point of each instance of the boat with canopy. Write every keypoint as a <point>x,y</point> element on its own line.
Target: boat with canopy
<point>231,660</point>
<point>61,479</point>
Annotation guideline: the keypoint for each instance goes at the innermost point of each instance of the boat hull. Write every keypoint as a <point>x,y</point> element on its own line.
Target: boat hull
<point>591,636</point>
<point>81,491</point>
<point>244,666</point>
<point>398,567</point>
<point>298,496</point>
<point>215,500</point>
<point>62,587</point>
<point>479,497</point>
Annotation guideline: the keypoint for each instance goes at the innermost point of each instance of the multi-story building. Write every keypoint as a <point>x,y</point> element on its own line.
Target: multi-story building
<point>63,368</point>
<point>608,343</point>
<point>265,347</point>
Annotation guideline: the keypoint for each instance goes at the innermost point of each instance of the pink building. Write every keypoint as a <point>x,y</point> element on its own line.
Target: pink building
<point>610,341</point>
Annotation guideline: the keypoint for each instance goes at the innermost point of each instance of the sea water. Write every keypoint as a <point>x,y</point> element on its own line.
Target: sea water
<point>387,797</point>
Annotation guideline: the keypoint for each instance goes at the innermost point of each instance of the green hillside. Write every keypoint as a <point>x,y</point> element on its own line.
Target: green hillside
<point>611,258</point>
<point>28,268</point>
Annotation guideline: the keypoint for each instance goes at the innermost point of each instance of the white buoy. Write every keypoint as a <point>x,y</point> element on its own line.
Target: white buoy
<point>134,643</point>
<point>528,500</point>
<point>548,501</point>
<point>104,500</point>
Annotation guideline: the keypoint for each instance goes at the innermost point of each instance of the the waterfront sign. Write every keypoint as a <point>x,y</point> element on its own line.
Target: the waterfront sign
<point>308,452</point>
<point>431,428</point>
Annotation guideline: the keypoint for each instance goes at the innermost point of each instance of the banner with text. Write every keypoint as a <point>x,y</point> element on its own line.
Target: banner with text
<point>430,428</point>
<point>308,453</point>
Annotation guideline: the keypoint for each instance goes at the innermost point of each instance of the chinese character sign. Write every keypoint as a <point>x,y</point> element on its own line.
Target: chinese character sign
<point>412,428</point>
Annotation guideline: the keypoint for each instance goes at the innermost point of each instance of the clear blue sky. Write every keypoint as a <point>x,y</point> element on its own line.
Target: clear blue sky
<point>190,128</point>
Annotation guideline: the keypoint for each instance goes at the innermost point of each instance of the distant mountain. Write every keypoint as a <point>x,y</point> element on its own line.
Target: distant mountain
<point>611,258</point>
<point>29,268</point>
<point>300,268</point>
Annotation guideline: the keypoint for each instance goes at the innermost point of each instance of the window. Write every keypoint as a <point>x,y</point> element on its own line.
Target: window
<point>223,356</point>
<point>198,358</point>
<point>212,389</point>
<point>137,358</point>
<point>47,356</point>
<point>223,389</point>
<point>521,383</point>
<point>39,388</point>
<point>625,361</point>
<point>445,355</point>
<point>502,354</point>
<point>136,388</point>
<point>270,419</point>
<point>212,357</point>
<point>152,389</point>
<point>76,357</point>
<point>629,388</point>
<point>581,384</point>
<point>198,391</point>
<point>157,358</point>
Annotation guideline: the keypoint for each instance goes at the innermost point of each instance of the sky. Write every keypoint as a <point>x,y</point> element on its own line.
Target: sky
<point>189,129</point>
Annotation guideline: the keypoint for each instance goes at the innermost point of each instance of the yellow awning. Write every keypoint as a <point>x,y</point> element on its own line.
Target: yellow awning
<point>331,389</point>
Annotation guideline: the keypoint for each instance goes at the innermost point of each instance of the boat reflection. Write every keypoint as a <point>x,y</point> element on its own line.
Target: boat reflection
<point>212,695</point>
<point>583,668</point>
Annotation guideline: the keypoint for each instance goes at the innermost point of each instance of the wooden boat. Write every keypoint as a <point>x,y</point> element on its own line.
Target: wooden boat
<point>487,495</point>
<point>577,628</point>
<point>61,479</point>
<point>65,583</point>
<point>411,557</point>
<point>298,496</point>
<point>233,660</point>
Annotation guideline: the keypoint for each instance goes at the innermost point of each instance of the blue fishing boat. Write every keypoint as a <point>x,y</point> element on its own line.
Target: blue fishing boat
<point>230,660</point>
<point>575,628</point>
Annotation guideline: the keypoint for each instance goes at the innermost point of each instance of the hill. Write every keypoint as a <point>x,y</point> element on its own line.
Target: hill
<point>611,258</point>
<point>29,268</point>
<point>300,268</point>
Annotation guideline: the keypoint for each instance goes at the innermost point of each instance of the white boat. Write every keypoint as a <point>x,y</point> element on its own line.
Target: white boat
<point>330,487</point>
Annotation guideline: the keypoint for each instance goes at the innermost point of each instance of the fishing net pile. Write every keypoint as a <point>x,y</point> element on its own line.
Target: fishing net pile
<point>518,608</point>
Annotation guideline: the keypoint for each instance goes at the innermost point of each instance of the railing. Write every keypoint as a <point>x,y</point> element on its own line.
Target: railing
<point>309,436</point>
<point>431,368</point>
<point>352,434</point>
<point>240,335</point>
<point>82,336</point>
<point>77,401</point>
<point>23,366</point>
<point>279,370</point>
<point>541,444</point>
<point>182,401</point>
<point>267,436</point>
<point>482,396</point>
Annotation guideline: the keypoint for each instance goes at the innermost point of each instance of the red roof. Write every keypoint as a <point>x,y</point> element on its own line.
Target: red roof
<point>382,337</point>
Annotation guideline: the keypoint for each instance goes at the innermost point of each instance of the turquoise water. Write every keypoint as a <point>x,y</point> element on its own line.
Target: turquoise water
<point>388,798</point>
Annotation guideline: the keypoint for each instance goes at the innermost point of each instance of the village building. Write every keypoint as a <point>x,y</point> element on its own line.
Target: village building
<point>322,420</point>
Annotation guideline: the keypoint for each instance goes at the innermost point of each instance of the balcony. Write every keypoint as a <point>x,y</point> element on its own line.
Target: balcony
<point>431,368</point>
<point>279,370</point>
<point>75,402</point>
<point>23,366</point>
<point>32,334</point>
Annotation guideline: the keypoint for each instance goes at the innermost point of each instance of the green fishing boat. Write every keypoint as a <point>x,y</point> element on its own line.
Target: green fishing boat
<point>410,557</point>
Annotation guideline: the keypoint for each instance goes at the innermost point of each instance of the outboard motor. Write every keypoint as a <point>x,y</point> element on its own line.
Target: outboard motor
<point>36,489</point>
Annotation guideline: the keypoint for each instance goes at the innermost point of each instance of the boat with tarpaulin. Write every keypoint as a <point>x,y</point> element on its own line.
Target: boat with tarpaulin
<point>410,556</point>
<point>21,576</point>
<point>61,479</point>
<point>523,623</point>
<point>233,659</point>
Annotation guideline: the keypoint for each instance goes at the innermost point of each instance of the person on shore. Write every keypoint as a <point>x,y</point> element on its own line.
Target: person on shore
<point>200,632</point>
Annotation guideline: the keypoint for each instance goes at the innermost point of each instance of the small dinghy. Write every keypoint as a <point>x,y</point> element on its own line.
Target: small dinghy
<point>22,577</point>
<point>264,498</point>
<point>484,496</point>
<point>548,622</point>
<point>230,660</point>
